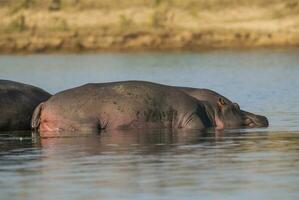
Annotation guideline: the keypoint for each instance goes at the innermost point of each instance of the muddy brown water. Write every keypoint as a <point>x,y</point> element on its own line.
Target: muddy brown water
<point>160,164</point>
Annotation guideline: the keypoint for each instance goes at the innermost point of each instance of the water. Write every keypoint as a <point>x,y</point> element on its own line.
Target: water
<point>159,164</point>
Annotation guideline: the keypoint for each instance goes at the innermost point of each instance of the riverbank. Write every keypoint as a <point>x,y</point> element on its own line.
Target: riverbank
<point>138,27</point>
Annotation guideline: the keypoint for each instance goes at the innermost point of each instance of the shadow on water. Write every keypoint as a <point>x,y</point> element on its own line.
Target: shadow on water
<point>149,141</point>
<point>21,146</point>
<point>143,141</point>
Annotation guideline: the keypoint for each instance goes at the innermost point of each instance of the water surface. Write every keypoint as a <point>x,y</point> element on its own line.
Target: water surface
<point>159,164</point>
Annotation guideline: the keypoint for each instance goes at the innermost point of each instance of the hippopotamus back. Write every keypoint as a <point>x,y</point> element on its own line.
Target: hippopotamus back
<point>17,103</point>
<point>119,105</point>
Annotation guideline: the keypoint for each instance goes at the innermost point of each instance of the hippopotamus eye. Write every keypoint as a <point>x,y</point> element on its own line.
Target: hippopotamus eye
<point>221,102</point>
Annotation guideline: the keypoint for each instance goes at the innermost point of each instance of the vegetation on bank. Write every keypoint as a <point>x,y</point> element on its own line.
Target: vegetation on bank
<point>107,25</point>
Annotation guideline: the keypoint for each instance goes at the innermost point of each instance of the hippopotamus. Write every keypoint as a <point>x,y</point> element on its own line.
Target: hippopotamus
<point>135,104</point>
<point>17,103</point>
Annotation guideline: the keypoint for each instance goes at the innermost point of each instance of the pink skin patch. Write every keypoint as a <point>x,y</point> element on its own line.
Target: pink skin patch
<point>49,122</point>
<point>219,123</point>
<point>47,127</point>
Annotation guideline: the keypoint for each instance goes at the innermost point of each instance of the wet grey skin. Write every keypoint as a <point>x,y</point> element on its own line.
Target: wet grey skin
<point>17,103</point>
<point>229,112</point>
<point>137,104</point>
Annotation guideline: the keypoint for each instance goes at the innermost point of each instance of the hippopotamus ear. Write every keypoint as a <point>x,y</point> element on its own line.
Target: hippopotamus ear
<point>35,120</point>
<point>236,106</point>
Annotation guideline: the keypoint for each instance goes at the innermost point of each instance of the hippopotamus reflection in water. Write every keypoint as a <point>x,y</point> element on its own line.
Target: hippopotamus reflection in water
<point>17,103</point>
<point>137,104</point>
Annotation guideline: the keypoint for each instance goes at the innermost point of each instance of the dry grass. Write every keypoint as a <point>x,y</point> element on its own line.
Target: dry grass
<point>158,24</point>
<point>123,4</point>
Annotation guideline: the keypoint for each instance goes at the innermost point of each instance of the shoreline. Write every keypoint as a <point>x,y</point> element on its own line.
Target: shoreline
<point>166,26</point>
<point>144,42</point>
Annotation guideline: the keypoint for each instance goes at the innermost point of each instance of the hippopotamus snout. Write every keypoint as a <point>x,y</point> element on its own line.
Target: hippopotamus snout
<point>229,115</point>
<point>255,121</point>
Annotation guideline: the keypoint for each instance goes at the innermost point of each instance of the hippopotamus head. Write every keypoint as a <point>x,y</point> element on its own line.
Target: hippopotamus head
<point>229,115</point>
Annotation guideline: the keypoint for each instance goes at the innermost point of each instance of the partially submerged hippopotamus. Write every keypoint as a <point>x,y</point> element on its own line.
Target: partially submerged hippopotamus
<point>136,104</point>
<point>17,103</point>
